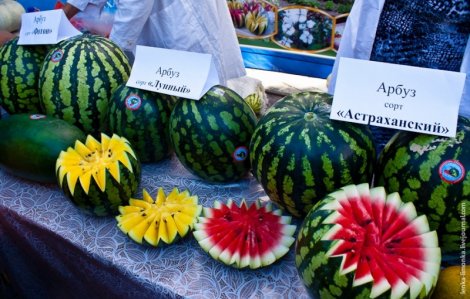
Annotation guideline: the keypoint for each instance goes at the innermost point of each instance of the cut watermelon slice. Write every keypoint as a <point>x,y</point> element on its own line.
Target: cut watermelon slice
<point>361,242</point>
<point>242,236</point>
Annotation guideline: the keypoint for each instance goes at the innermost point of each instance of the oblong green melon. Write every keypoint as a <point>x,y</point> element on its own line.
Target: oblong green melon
<point>77,79</point>
<point>19,75</point>
<point>31,143</point>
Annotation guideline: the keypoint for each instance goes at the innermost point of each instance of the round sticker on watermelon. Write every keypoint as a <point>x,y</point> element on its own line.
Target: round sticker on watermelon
<point>240,154</point>
<point>451,171</point>
<point>37,116</point>
<point>57,55</point>
<point>133,102</point>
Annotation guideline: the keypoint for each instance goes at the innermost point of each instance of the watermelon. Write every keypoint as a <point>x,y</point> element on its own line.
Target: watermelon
<point>359,242</point>
<point>99,176</point>
<point>162,220</point>
<point>433,173</point>
<point>142,117</point>
<point>211,136</point>
<point>77,79</point>
<point>19,75</point>
<point>299,155</point>
<point>31,143</point>
<point>246,235</point>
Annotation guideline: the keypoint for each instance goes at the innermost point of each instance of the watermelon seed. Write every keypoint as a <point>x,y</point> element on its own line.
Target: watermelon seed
<point>144,214</point>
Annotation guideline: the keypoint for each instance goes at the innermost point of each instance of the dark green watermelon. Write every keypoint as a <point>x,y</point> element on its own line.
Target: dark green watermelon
<point>78,77</point>
<point>299,155</point>
<point>31,143</point>
<point>142,117</point>
<point>433,172</point>
<point>19,75</point>
<point>211,136</point>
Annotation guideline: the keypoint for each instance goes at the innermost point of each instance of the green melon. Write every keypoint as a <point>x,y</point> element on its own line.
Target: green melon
<point>299,155</point>
<point>77,79</point>
<point>211,136</point>
<point>142,117</point>
<point>99,175</point>
<point>31,143</point>
<point>433,173</point>
<point>19,75</point>
<point>364,243</point>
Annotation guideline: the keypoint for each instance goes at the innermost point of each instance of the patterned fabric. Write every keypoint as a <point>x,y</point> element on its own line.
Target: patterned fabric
<point>50,249</point>
<point>423,33</point>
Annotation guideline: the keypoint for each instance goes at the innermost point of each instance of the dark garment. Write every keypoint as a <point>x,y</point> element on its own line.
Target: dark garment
<point>423,33</point>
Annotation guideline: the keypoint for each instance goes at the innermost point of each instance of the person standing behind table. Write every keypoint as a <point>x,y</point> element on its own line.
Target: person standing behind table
<point>5,36</point>
<point>196,26</point>
<point>430,34</point>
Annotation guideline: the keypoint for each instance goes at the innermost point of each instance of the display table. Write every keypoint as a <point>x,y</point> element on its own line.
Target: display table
<point>51,249</point>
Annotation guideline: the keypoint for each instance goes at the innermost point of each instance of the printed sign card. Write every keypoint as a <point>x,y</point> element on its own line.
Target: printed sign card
<point>173,72</point>
<point>398,96</point>
<point>45,27</point>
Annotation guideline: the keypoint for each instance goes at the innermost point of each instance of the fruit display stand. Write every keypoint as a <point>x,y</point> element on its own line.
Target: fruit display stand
<point>51,249</point>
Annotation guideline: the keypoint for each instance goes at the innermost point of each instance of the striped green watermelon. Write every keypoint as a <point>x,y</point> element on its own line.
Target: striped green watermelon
<point>78,77</point>
<point>364,243</point>
<point>433,172</point>
<point>142,117</point>
<point>299,155</point>
<point>99,175</point>
<point>246,235</point>
<point>211,136</point>
<point>19,75</point>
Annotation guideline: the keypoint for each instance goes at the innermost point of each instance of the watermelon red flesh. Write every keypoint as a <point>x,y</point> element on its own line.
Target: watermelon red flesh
<point>380,239</point>
<point>244,235</point>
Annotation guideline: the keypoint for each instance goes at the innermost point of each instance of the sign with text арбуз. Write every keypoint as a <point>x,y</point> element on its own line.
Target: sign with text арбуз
<point>398,96</point>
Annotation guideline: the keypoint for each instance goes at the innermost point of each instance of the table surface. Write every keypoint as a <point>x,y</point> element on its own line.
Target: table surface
<point>55,249</point>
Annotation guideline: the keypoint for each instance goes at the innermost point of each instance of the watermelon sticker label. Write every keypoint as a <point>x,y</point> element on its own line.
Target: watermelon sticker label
<point>240,154</point>
<point>36,116</point>
<point>451,171</point>
<point>57,55</point>
<point>133,102</point>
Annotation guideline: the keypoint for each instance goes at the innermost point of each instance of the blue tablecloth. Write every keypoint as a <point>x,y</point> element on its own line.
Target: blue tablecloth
<point>51,249</point>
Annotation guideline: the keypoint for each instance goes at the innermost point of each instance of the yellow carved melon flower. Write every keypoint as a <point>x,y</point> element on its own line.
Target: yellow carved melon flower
<point>93,160</point>
<point>160,219</point>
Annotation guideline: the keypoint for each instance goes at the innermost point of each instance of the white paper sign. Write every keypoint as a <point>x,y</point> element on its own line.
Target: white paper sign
<point>45,28</point>
<point>398,96</point>
<point>173,72</point>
